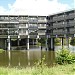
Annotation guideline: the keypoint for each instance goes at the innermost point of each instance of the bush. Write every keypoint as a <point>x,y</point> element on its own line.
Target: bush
<point>57,42</point>
<point>64,56</point>
<point>72,42</point>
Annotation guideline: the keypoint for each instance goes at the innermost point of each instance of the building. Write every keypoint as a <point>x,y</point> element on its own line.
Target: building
<point>21,31</point>
<point>61,25</point>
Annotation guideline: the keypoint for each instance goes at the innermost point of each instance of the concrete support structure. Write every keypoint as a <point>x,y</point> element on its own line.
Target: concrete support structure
<point>46,44</point>
<point>52,43</point>
<point>33,42</point>
<point>62,42</point>
<point>9,46</point>
<point>67,41</point>
<point>18,41</point>
<point>28,43</point>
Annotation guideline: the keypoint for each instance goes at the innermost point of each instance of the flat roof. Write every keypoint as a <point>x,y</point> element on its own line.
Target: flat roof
<point>61,12</point>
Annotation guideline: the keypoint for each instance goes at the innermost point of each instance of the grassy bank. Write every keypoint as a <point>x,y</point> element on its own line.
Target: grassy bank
<point>68,69</point>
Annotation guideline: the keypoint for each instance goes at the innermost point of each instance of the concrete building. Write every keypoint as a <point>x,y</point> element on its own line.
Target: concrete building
<point>61,25</point>
<point>21,31</point>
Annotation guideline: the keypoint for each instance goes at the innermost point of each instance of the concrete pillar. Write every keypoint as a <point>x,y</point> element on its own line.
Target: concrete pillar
<point>8,42</point>
<point>5,44</point>
<point>52,43</point>
<point>18,41</point>
<point>28,43</point>
<point>46,45</point>
<point>49,43</point>
<point>62,42</point>
<point>33,42</point>
<point>67,41</point>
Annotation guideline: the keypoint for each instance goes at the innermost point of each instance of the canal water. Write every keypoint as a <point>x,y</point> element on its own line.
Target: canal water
<point>25,58</point>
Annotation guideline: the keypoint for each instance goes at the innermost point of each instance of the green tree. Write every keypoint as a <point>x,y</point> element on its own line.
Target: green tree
<point>72,42</point>
<point>57,41</point>
<point>42,41</point>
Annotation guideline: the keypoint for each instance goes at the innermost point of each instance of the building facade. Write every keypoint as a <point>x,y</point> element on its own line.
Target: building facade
<point>22,31</point>
<point>60,25</point>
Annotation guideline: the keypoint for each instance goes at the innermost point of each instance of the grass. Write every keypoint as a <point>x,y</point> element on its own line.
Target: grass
<point>68,69</point>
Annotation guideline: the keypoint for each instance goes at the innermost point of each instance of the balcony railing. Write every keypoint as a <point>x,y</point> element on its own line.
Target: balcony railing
<point>72,15</point>
<point>23,26</point>
<point>72,23</point>
<point>72,30</point>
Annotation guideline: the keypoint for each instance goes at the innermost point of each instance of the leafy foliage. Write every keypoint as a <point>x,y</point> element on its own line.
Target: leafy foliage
<point>72,42</point>
<point>57,41</point>
<point>42,41</point>
<point>65,57</point>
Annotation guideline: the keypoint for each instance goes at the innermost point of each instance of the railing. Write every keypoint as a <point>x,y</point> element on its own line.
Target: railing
<point>72,15</point>
<point>72,23</point>
<point>55,18</point>
<point>72,31</point>
<point>23,26</point>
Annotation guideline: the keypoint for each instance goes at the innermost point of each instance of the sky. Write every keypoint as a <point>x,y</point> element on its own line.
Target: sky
<point>35,7</point>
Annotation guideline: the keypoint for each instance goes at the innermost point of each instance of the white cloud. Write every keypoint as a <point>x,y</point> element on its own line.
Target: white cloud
<point>35,7</point>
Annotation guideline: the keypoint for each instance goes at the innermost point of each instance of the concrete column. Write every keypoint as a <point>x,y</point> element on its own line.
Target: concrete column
<point>52,43</point>
<point>18,41</point>
<point>62,43</point>
<point>49,43</point>
<point>8,42</point>
<point>67,40</point>
<point>28,43</point>
<point>5,44</point>
<point>33,42</point>
<point>46,45</point>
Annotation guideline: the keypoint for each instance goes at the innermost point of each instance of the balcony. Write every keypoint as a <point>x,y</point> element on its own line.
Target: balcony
<point>59,25</point>
<point>71,15</point>
<point>72,30</point>
<point>42,20</point>
<point>23,19</point>
<point>41,32</point>
<point>42,26</point>
<point>23,32</point>
<point>55,18</point>
<point>72,23</point>
<point>59,32</point>
<point>61,17</point>
<point>33,20</point>
<point>23,26</point>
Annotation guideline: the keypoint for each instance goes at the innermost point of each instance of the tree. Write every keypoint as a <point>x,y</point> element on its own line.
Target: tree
<point>72,42</point>
<point>57,41</point>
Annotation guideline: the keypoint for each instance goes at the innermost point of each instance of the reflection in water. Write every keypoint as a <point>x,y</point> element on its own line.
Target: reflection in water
<point>28,57</point>
<point>25,58</point>
<point>9,57</point>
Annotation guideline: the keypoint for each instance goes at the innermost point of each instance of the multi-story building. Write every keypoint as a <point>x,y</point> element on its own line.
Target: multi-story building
<point>20,31</point>
<point>61,25</point>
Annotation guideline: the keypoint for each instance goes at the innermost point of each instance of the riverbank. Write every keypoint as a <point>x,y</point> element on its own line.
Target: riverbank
<point>68,69</point>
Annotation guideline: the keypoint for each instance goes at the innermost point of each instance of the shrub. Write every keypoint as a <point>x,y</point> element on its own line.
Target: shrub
<point>65,56</point>
<point>57,42</point>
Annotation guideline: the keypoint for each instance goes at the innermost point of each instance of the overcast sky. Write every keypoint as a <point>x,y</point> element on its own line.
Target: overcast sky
<point>35,7</point>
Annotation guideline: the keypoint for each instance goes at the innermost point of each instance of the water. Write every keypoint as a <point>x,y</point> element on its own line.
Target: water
<point>25,58</point>
<point>71,48</point>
